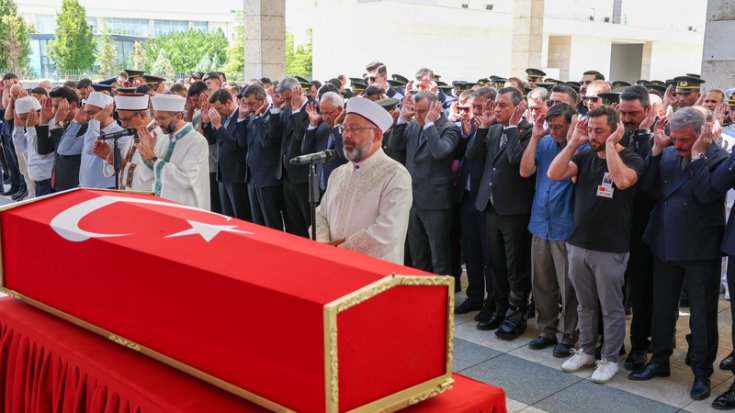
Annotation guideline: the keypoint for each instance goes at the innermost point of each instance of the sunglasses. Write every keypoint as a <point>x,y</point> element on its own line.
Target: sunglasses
<point>465,108</point>
<point>592,99</point>
<point>552,102</point>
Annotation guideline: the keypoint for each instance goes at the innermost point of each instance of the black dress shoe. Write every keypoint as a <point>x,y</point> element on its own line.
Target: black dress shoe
<point>484,314</point>
<point>18,196</point>
<point>728,363</point>
<point>468,306</point>
<point>541,342</point>
<point>531,311</point>
<point>726,400</point>
<point>700,388</point>
<point>562,350</point>
<point>636,359</point>
<point>492,323</point>
<point>513,326</point>
<point>11,191</point>
<point>650,370</point>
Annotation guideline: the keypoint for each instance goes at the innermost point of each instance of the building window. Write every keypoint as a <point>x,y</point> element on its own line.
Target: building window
<point>92,21</point>
<point>164,27</point>
<point>203,26</point>
<point>45,23</point>
<point>131,27</point>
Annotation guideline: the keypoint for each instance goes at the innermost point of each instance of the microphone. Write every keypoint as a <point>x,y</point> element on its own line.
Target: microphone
<point>315,157</point>
<point>119,134</point>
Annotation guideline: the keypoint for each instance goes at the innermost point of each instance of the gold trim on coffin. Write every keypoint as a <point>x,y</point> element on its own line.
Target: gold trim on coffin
<point>406,397</point>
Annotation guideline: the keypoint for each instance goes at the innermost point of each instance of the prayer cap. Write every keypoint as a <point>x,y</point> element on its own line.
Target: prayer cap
<point>99,100</point>
<point>168,103</point>
<point>371,111</point>
<point>27,104</point>
<point>131,102</point>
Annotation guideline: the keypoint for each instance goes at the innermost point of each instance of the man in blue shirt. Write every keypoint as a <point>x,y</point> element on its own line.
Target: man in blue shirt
<point>552,216</point>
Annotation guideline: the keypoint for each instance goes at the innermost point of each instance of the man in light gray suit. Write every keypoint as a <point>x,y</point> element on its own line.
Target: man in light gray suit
<point>428,141</point>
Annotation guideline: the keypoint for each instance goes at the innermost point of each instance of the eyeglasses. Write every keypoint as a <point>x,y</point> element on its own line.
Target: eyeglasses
<point>551,102</point>
<point>353,129</point>
<point>465,108</point>
<point>592,99</point>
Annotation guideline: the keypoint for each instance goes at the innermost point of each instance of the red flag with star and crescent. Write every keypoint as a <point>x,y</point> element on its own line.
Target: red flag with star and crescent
<point>202,288</point>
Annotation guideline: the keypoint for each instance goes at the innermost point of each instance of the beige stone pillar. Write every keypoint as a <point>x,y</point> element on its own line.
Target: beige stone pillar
<point>528,35</point>
<point>560,53</point>
<point>718,56</point>
<point>265,38</point>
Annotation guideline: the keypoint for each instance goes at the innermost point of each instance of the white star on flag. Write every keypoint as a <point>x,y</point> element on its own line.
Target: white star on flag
<point>207,231</point>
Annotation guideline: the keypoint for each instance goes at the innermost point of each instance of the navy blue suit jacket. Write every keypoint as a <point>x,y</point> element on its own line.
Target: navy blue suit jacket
<point>263,139</point>
<point>231,150</point>
<point>723,179</point>
<point>294,126</point>
<point>468,168</point>
<point>688,221</point>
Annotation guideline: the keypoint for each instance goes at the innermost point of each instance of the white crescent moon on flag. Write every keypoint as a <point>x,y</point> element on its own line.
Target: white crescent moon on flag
<point>66,223</point>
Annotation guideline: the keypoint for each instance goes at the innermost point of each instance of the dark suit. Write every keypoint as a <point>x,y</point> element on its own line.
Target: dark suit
<point>318,139</point>
<point>263,169</point>
<point>66,167</point>
<point>684,233</point>
<point>231,153</point>
<point>507,198</point>
<point>295,177</point>
<point>429,156</point>
<point>472,223</point>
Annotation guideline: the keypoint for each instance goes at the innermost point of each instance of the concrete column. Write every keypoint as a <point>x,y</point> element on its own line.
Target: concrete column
<point>646,60</point>
<point>718,57</point>
<point>528,35</point>
<point>265,38</point>
<point>560,49</point>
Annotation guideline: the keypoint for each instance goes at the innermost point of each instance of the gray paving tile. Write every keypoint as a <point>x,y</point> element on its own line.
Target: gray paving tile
<point>585,397</point>
<point>468,354</point>
<point>522,380</point>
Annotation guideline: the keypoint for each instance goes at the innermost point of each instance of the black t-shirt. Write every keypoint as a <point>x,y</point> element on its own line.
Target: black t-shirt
<point>602,212</point>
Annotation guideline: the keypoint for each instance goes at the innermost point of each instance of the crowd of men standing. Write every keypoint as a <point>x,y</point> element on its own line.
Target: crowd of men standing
<point>565,201</point>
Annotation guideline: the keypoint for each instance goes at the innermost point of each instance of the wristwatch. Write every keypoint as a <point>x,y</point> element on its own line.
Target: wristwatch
<point>698,156</point>
<point>642,132</point>
<point>154,159</point>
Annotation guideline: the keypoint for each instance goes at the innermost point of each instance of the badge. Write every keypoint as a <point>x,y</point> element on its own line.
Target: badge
<point>606,189</point>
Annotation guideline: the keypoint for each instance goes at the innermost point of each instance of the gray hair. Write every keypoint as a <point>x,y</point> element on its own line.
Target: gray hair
<point>287,83</point>
<point>686,117</point>
<point>425,94</point>
<point>333,98</point>
<point>539,93</point>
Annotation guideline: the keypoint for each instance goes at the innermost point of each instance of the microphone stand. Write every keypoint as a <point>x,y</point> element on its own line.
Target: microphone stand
<point>313,196</point>
<point>116,161</point>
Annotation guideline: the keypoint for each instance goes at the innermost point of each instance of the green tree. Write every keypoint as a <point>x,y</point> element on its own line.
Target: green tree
<point>73,47</point>
<point>235,65</point>
<point>107,53</point>
<point>298,58</point>
<point>15,42</point>
<point>184,50</point>
<point>162,66</point>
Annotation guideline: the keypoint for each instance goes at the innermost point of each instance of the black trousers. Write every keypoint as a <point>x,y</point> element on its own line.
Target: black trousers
<point>701,281</point>
<point>296,208</point>
<point>509,245</point>
<point>639,277</point>
<point>474,250</point>
<point>214,200</point>
<point>429,233</point>
<point>234,200</point>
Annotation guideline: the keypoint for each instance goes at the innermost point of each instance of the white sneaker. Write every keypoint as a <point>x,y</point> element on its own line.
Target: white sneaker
<point>578,360</point>
<point>605,371</point>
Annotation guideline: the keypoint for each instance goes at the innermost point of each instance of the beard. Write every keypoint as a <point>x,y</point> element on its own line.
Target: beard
<point>358,152</point>
<point>596,147</point>
<point>170,128</point>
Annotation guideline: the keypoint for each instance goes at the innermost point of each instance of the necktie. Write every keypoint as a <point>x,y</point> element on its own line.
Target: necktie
<point>684,162</point>
<point>503,140</point>
<point>420,139</point>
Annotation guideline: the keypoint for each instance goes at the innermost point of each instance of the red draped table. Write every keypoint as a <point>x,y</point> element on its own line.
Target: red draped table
<point>50,365</point>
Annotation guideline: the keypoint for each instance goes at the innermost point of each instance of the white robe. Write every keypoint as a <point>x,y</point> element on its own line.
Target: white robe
<point>181,172</point>
<point>368,206</point>
<point>134,167</point>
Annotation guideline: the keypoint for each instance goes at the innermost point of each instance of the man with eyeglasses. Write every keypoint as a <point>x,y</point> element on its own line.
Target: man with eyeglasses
<point>428,138</point>
<point>323,133</point>
<point>591,99</point>
<point>98,109</point>
<point>587,78</point>
<point>366,205</point>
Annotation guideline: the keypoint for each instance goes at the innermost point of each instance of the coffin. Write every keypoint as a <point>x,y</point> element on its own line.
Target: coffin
<point>282,321</point>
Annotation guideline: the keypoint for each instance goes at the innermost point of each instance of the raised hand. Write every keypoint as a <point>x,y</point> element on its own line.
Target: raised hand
<point>669,97</point>
<point>32,119</point>
<point>705,138</point>
<point>580,135</point>
<point>79,117</point>
<point>261,110</point>
<point>204,109</point>
<point>647,122</point>
<point>278,101</point>
<point>47,111</point>
<point>104,114</point>
<point>487,118</point>
<point>660,139</point>
<point>314,116</point>
<point>435,111</point>
<point>243,108</point>
<point>102,150</point>
<point>215,118</point>
<point>702,95</point>
<point>517,116</point>
<point>146,143</point>
<point>617,134</point>
<point>407,109</point>
<point>467,126</point>
<point>297,97</point>
<point>721,112</point>
<point>539,131</point>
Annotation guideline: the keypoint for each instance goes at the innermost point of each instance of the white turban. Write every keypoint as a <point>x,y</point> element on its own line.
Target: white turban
<point>370,111</point>
<point>27,104</point>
